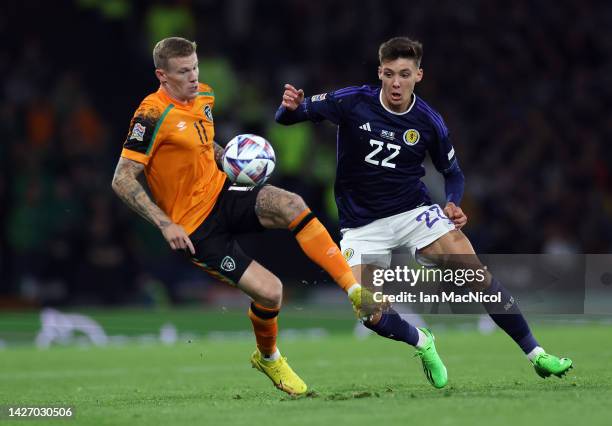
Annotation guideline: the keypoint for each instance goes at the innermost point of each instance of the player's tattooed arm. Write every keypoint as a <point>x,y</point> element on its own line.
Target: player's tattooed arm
<point>131,191</point>
<point>218,155</point>
<point>127,186</point>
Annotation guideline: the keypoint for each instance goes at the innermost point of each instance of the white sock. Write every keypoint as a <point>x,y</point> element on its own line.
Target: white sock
<point>352,288</point>
<point>535,352</point>
<point>422,339</point>
<point>276,355</point>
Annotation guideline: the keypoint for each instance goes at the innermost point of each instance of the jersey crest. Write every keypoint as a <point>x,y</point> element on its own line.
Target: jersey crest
<point>208,113</point>
<point>411,137</point>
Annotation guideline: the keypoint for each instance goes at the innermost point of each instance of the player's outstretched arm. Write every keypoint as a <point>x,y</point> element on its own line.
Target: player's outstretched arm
<point>128,188</point>
<point>292,109</point>
<point>292,97</point>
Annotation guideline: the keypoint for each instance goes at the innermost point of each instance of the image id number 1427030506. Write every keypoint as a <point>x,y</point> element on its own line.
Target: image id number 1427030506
<point>17,411</point>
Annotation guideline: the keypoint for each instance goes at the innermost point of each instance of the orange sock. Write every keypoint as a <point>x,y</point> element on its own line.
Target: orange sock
<point>318,245</point>
<point>265,327</point>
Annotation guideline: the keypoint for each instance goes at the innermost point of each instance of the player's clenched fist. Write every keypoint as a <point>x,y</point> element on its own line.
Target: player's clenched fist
<point>454,213</point>
<point>292,97</point>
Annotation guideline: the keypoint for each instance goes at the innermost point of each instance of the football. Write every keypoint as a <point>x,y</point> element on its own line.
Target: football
<point>248,160</point>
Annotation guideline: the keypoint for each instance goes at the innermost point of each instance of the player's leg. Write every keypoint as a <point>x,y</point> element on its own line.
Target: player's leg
<point>266,291</point>
<point>386,322</point>
<point>280,209</point>
<point>512,321</point>
<point>219,254</point>
<point>373,244</point>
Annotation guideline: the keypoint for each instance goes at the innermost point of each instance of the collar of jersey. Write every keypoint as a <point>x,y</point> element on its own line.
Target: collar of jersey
<point>396,113</point>
<point>177,104</point>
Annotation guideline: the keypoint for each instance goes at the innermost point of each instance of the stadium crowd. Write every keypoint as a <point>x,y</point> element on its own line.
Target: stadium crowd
<point>524,87</point>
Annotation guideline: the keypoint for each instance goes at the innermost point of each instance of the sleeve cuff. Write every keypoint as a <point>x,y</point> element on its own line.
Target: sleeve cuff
<point>135,156</point>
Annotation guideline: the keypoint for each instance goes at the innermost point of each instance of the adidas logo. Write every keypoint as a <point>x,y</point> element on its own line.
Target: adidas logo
<point>366,127</point>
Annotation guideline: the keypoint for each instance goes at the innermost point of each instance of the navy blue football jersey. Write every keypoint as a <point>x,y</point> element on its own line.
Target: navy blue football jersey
<point>381,153</point>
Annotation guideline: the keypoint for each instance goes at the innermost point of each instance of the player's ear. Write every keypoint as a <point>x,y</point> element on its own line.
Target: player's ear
<point>380,72</point>
<point>161,75</point>
<point>419,75</point>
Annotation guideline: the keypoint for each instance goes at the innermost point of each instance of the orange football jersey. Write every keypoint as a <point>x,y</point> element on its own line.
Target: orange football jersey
<point>175,143</point>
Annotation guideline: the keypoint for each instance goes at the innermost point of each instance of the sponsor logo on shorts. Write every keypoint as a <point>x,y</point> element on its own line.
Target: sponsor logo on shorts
<point>228,264</point>
<point>411,136</point>
<point>317,98</point>
<point>208,113</point>
<point>138,132</point>
<point>348,254</point>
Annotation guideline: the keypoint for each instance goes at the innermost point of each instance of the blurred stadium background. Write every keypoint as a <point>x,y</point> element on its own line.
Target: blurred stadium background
<point>525,87</point>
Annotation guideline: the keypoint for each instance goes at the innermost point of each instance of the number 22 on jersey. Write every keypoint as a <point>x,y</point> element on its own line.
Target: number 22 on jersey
<point>380,146</point>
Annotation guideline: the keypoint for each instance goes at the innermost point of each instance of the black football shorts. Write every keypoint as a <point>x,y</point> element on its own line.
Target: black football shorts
<point>216,248</point>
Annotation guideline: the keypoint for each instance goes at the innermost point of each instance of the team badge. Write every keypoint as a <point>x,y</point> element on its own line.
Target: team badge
<point>208,113</point>
<point>348,254</point>
<point>411,136</point>
<point>228,264</point>
<point>138,132</point>
<point>317,98</point>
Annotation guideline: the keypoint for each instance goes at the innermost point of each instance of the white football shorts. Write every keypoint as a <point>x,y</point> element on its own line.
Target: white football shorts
<point>413,230</point>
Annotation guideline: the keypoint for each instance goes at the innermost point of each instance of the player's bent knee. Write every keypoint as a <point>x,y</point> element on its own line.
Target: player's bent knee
<point>295,205</point>
<point>271,293</point>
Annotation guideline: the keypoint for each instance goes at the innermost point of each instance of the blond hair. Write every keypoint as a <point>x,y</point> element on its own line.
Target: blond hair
<point>172,47</point>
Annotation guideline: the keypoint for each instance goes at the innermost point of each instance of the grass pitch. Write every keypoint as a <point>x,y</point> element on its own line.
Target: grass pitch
<point>210,382</point>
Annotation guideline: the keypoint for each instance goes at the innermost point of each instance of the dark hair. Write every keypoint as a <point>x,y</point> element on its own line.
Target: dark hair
<point>400,47</point>
<point>172,47</point>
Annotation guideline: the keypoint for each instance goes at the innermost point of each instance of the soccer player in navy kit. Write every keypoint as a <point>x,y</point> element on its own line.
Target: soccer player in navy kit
<point>384,134</point>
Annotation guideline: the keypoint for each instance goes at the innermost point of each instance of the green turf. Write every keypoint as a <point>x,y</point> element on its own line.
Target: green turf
<point>20,327</point>
<point>355,382</point>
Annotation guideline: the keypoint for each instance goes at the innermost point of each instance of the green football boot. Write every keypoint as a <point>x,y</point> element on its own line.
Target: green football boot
<point>434,368</point>
<point>546,365</point>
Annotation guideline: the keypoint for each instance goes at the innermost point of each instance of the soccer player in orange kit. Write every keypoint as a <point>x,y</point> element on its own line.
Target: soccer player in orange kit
<point>171,140</point>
